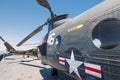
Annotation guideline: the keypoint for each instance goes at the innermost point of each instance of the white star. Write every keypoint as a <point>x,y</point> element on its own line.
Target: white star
<point>74,65</point>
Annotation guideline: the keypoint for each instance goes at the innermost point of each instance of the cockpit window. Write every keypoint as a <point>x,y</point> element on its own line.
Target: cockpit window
<point>106,34</point>
<point>58,41</point>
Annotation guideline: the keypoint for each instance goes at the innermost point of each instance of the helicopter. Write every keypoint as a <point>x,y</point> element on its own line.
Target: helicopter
<point>11,50</point>
<point>85,47</point>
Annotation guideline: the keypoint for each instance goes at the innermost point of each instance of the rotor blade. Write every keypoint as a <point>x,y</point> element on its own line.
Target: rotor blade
<point>45,4</point>
<point>2,39</point>
<point>32,34</point>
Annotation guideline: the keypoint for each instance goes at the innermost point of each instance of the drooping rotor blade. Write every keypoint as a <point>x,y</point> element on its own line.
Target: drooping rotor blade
<point>7,45</point>
<point>2,39</point>
<point>32,34</point>
<point>45,4</point>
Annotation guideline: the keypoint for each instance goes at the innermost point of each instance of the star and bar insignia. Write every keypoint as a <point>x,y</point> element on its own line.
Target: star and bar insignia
<point>76,65</point>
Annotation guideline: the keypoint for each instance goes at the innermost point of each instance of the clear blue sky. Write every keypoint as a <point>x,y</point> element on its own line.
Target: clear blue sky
<point>19,17</point>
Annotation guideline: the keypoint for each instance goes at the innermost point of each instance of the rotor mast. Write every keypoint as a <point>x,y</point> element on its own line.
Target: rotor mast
<point>49,21</point>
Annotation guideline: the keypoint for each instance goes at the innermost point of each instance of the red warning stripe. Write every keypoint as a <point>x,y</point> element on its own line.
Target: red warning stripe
<point>93,69</point>
<point>60,60</point>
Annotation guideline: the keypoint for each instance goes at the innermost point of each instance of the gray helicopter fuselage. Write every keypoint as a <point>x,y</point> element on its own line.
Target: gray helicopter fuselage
<point>71,47</point>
